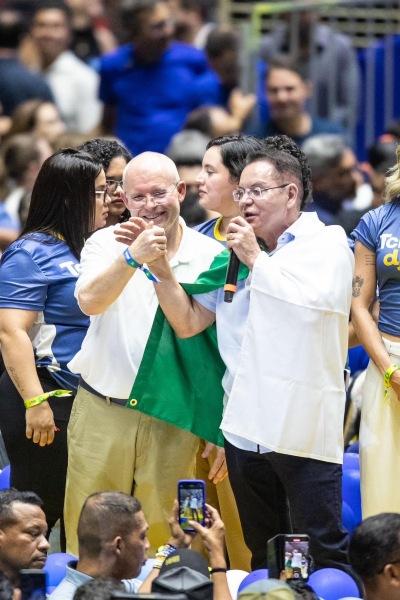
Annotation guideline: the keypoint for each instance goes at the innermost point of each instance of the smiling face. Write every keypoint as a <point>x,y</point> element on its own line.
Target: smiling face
<point>23,543</point>
<point>276,210</point>
<point>216,185</point>
<point>154,194</point>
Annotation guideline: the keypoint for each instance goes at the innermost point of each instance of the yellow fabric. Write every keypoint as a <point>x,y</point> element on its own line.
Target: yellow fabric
<point>380,442</point>
<point>36,400</point>
<point>113,448</point>
<point>221,497</point>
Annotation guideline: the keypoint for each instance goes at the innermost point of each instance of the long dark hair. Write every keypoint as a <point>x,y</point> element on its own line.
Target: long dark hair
<point>234,150</point>
<point>63,199</point>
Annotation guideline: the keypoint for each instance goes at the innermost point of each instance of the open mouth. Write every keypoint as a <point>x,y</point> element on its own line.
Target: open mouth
<point>155,217</point>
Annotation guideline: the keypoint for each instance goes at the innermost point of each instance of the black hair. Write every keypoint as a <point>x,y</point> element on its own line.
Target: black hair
<point>204,7</point>
<point>234,151</point>
<point>374,544</point>
<point>220,40</point>
<point>302,590</point>
<point>53,5</point>
<point>8,498</point>
<point>104,516</point>
<point>104,150</point>
<point>63,198</point>
<point>131,12</point>
<point>17,154</point>
<point>101,588</point>
<point>12,27</point>
<point>287,158</point>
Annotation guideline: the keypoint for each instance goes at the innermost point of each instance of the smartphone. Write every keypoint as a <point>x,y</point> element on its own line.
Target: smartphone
<point>289,553</point>
<point>32,584</point>
<point>192,502</point>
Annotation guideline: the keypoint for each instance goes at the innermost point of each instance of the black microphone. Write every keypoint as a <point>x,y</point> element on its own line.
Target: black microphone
<point>232,272</point>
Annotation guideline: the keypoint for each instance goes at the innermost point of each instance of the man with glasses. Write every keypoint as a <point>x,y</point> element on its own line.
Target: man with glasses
<point>112,447</point>
<point>283,340</point>
<point>374,554</point>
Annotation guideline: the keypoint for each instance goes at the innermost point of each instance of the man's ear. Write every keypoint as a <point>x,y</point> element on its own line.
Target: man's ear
<point>293,195</point>
<point>181,187</point>
<point>391,572</point>
<point>116,544</point>
<point>2,537</point>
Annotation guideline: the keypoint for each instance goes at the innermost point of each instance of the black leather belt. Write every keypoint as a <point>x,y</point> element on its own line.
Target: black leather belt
<point>88,388</point>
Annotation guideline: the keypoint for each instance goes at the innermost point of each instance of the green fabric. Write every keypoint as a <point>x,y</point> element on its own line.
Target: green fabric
<point>179,380</point>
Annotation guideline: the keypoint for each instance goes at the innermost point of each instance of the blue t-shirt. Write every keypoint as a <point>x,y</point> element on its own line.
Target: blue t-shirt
<point>152,100</point>
<point>379,231</point>
<point>39,273</point>
<point>210,228</point>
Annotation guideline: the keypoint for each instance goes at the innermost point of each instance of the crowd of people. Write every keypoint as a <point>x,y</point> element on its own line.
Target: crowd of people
<point>136,171</point>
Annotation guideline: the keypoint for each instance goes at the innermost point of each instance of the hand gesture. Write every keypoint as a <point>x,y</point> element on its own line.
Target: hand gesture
<point>240,104</point>
<point>40,426</point>
<point>127,232</point>
<point>218,470</point>
<point>241,238</point>
<point>150,245</point>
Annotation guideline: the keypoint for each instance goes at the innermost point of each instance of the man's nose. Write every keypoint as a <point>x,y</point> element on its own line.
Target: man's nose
<point>43,543</point>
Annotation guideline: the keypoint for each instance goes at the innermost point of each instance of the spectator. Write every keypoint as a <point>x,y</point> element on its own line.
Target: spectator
<point>335,177</point>
<point>376,252</point>
<point>288,92</point>
<point>21,157</point>
<point>74,84</point>
<point>185,571</point>
<point>107,434</point>
<point>7,590</point>
<point>381,157</point>
<point>98,589</point>
<point>23,530</point>
<point>328,60</point>
<point>41,325</point>
<point>39,118</point>
<point>91,34</point>
<point>17,83</point>
<point>374,554</point>
<point>112,538</point>
<point>149,84</point>
<point>113,157</point>
<point>193,21</point>
<point>267,589</point>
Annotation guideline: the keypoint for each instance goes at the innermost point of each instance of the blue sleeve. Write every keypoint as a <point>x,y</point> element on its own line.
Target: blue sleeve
<point>106,93</point>
<point>22,284</point>
<point>367,230</point>
<point>209,300</point>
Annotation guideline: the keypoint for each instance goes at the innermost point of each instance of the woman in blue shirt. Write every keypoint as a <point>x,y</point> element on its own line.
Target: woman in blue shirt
<point>41,325</point>
<point>377,249</point>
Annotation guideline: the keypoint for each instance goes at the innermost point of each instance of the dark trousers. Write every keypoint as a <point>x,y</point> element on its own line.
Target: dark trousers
<point>277,493</point>
<point>41,470</point>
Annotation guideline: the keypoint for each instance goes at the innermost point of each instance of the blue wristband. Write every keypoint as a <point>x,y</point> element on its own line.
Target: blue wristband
<point>137,265</point>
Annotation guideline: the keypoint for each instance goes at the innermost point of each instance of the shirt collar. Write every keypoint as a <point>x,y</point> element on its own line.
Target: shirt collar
<point>72,574</point>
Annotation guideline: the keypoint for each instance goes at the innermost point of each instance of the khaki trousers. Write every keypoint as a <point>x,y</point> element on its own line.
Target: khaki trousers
<point>111,447</point>
<point>220,496</point>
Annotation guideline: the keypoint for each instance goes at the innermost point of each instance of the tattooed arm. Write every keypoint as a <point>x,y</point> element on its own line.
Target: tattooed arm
<point>364,291</point>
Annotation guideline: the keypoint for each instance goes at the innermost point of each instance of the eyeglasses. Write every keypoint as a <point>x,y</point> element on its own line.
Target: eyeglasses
<point>158,197</point>
<point>101,194</point>
<point>255,193</point>
<point>113,184</point>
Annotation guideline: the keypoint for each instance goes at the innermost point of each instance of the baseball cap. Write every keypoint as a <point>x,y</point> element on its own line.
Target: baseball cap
<point>185,571</point>
<point>267,589</point>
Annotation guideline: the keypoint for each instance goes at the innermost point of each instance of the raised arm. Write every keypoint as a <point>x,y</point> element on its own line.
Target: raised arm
<point>17,351</point>
<point>186,316</point>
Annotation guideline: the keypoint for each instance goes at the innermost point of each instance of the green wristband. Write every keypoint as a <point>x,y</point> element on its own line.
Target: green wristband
<point>36,400</point>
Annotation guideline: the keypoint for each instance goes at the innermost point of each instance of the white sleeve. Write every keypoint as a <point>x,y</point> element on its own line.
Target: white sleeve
<point>97,255</point>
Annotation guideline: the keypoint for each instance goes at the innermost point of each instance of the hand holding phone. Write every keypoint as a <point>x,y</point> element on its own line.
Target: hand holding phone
<point>192,502</point>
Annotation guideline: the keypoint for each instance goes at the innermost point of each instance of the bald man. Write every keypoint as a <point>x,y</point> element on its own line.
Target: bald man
<point>112,447</point>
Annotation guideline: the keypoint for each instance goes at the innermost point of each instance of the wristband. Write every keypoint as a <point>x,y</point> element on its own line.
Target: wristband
<point>36,400</point>
<point>218,570</point>
<point>387,377</point>
<point>132,262</point>
<point>162,553</point>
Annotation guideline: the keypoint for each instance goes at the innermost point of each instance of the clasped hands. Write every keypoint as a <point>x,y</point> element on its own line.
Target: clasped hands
<point>147,242</point>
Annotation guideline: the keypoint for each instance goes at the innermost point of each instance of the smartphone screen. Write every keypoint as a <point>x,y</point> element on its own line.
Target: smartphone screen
<point>32,584</point>
<point>296,557</point>
<point>191,498</point>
